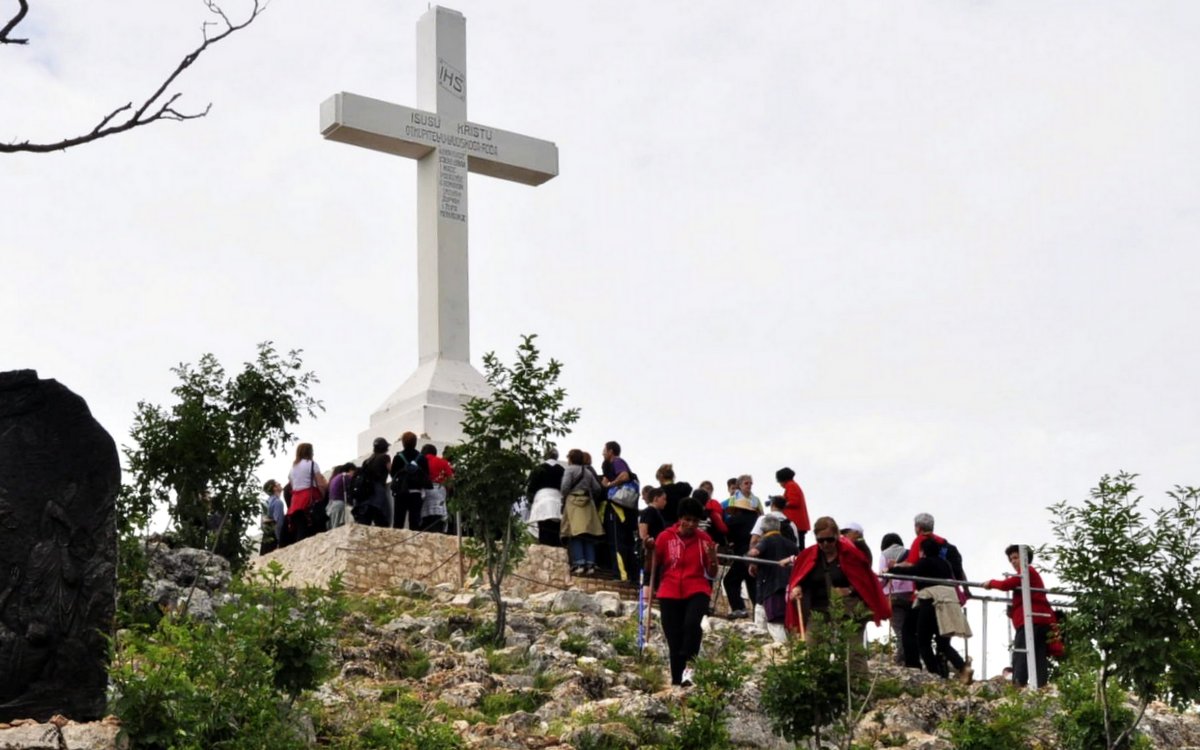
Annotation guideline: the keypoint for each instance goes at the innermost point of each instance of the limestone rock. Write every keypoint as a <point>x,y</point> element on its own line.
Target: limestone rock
<point>188,579</point>
<point>574,601</point>
<point>93,736</point>
<point>609,602</point>
<point>59,478</point>
<point>30,737</point>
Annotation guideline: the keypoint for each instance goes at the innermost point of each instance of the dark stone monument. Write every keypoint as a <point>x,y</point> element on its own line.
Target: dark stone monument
<point>59,478</point>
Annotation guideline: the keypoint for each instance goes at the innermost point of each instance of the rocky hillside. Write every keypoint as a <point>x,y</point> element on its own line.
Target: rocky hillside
<point>570,676</point>
<point>406,669</point>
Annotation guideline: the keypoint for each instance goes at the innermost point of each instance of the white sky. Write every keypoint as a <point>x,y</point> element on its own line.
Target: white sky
<point>933,256</point>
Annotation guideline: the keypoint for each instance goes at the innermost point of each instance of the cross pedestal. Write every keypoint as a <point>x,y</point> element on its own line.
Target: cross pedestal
<point>446,147</point>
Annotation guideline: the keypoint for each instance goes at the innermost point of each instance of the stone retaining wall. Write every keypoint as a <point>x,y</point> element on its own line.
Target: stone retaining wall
<point>375,559</point>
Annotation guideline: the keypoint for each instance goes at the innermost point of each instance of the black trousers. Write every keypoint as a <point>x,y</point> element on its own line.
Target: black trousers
<point>738,574</point>
<point>681,625</point>
<point>1020,666</point>
<point>934,649</point>
<point>622,530</point>
<point>408,505</point>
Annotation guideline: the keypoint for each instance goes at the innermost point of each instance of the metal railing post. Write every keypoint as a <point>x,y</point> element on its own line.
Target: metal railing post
<point>983,675</point>
<point>1027,601</point>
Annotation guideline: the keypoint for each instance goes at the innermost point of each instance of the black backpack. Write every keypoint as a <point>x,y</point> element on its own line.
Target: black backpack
<point>951,555</point>
<point>406,475</point>
<point>361,487</point>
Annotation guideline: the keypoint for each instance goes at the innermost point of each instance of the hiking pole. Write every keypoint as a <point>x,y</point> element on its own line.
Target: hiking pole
<point>641,632</point>
<point>800,613</point>
<point>650,598</point>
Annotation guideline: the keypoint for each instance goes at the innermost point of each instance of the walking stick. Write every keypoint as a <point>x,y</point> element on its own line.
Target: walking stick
<point>641,633</point>
<point>800,613</point>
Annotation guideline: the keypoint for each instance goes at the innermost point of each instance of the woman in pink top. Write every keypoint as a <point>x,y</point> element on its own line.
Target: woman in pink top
<point>687,564</point>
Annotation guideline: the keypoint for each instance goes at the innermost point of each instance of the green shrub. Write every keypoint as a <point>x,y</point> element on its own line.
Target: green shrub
<point>1080,723</point>
<point>803,692</point>
<point>504,702</point>
<point>229,683</point>
<point>625,641</point>
<point>575,643</point>
<point>505,663</point>
<point>407,726</point>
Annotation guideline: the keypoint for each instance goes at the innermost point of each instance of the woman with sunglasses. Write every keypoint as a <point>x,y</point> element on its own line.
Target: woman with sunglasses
<point>834,572</point>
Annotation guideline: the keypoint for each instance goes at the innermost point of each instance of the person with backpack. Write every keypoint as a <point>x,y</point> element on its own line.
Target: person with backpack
<point>410,479</point>
<point>772,580</point>
<point>368,490</point>
<point>923,528</point>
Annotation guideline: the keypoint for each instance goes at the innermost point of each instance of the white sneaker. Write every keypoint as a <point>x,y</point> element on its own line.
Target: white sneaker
<point>687,677</point>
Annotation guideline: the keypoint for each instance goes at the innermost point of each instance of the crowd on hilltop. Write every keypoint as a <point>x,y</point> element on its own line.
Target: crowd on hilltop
<point>682,544</point>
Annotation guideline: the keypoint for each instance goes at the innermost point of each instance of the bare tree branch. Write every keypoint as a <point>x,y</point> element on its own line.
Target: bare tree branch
<point>154,108</point>
<point>12,24</point>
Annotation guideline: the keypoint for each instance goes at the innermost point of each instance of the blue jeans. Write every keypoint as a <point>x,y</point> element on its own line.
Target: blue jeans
<point>582,550</point>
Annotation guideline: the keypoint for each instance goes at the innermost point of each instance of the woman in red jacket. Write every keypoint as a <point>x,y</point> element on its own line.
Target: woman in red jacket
<point>687,564</point>
<point>1043,617</point>
<point>796,509</point>
<point>834,570</point>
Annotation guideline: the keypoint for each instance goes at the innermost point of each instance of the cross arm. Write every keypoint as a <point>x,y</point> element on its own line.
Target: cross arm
<point>413,133</point>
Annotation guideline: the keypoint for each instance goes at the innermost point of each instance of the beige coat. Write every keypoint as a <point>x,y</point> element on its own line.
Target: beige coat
<point>579,516</point>
<point>950,616</point>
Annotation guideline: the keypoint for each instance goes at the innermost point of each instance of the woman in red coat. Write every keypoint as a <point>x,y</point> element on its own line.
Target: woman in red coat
<point>686,559</point>
<point>796,509</point>
<point>832,569</point>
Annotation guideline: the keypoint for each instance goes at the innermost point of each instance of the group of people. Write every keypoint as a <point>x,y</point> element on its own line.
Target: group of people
<point>671,538</point>
<point>794,589</point>
<point>409,489</point>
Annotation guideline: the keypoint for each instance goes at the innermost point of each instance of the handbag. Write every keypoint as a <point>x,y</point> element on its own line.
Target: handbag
<point>625,495</point>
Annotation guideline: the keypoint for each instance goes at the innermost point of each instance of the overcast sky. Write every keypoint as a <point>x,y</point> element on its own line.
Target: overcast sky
<point>934,256</point>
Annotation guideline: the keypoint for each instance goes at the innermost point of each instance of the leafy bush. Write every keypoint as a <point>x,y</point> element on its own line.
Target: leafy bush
<point>1080,724</point>
<point>804,692</point>
<point>229,683</point>
<point>1137,596</point>
<point>1008,728</point>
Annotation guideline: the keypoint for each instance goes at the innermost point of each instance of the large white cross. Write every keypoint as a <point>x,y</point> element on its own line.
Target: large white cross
<point>446,146</point>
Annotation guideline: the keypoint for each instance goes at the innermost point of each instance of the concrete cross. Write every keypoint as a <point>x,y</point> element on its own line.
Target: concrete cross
<point>446,146</point>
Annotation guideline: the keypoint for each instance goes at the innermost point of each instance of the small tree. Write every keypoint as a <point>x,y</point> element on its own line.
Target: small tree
<point>199,456</point>
<point>813,694</point>
<point>1137,593</point>
<point>507,433</point>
